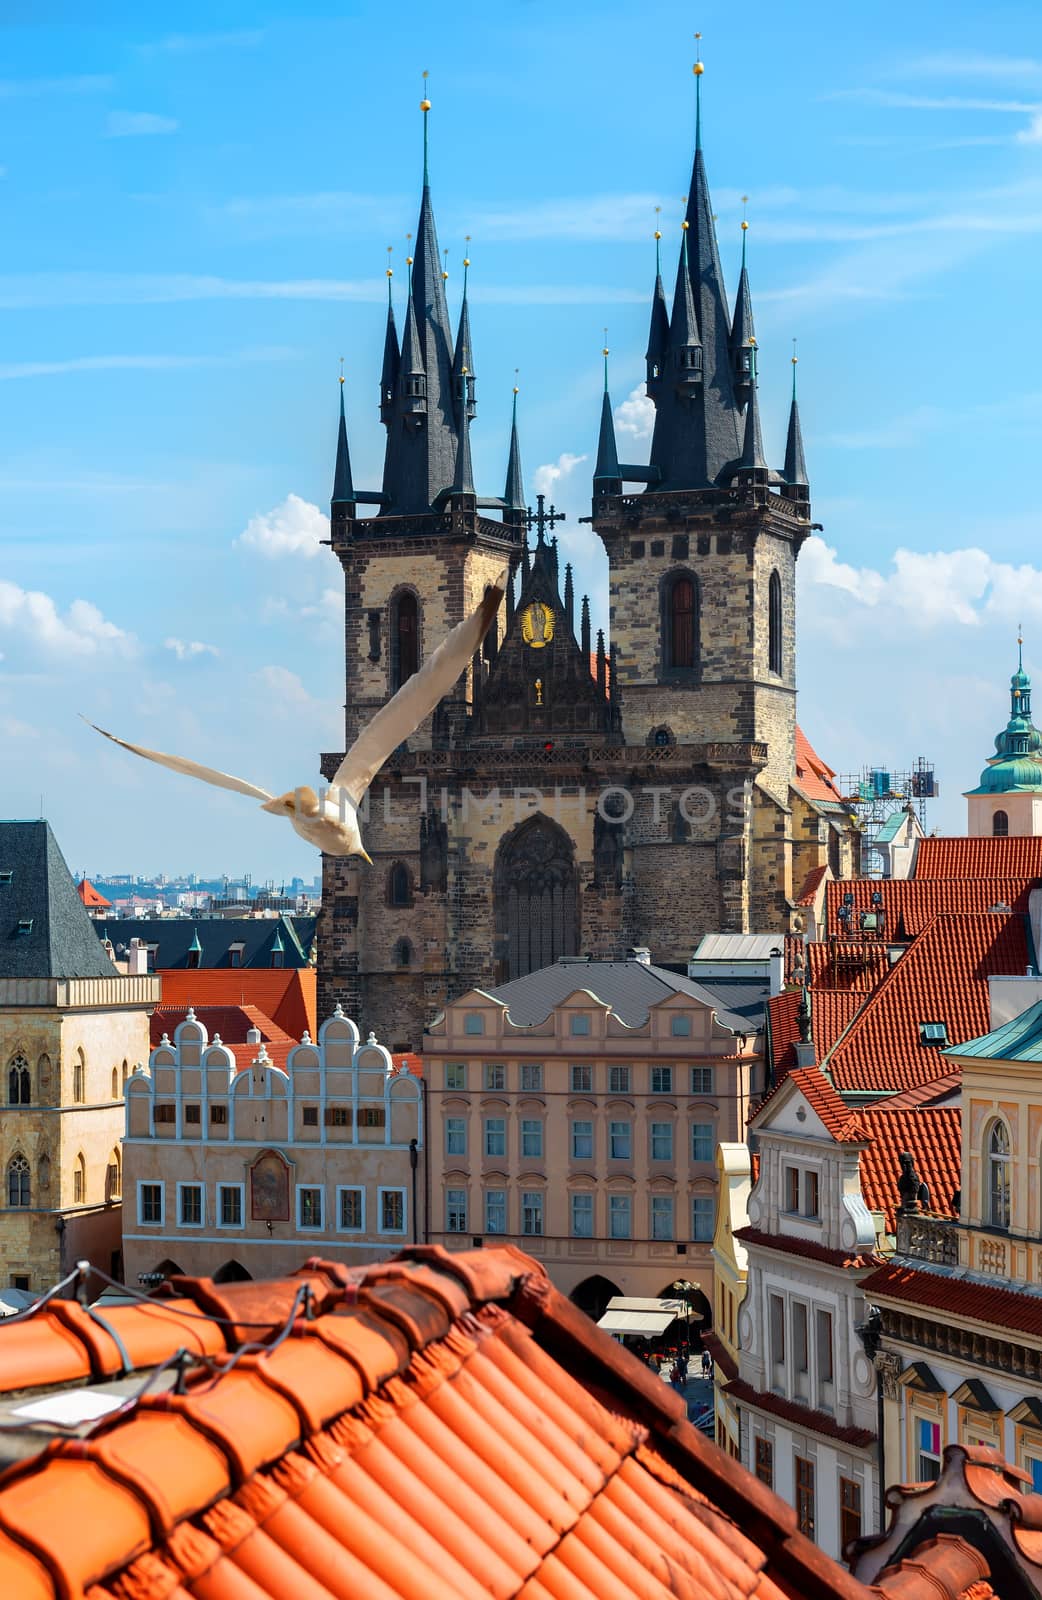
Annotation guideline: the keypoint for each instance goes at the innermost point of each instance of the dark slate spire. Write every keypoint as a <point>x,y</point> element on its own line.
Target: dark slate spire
<point>389,370</point>
<point>752,449</point>
<point>602,664</point>
<point>569,597</point>
<point>514,493</point>
<point>606,478</point>
<point>658,334</point>
<point>584,628</point>
<point>742,331</point>
<point>463,481</point>
<point>685,347</point>
<point>343,484</point>
<point>695,439</point>
<point>463,360</point>
<point>795,472</point>
<point>422,432</point>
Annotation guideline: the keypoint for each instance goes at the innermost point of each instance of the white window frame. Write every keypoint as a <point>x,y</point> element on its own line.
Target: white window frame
<point>457,1206</point>
<point>240,1188</point>
<point>623,1209</point>
<point>392,1188</point>
<point>579,1025</point>
<point>310,1227</point>
<point>583,1069</point>
<point>533,1071</point>
<point>712,1225</point>
<point>454,1067</point>
<point>459,1132</point>
<point>494,1155</point>
<point>680,1026</point>
<point>584,1195</point>
<point>496,1233</point>
<point>150,1183</point>
<point>657,1202</point>
<point>627,1135</point>
<point>620,1084</point>
<point>586,1123</point>
<point>532,1128</point>
<point>712,1141</point>
<point>491,1072</point>
<point>181,1187</point>
<point>702,1081</point>
<point>349,1188</point>
<point>533,1200</point>
<point>657,1129</point>
<point>660,1070</point>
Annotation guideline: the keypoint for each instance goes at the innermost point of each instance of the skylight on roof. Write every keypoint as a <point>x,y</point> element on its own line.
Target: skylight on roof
<point>25,926</point>
<point>933,1033</point>
<point>6,877</point>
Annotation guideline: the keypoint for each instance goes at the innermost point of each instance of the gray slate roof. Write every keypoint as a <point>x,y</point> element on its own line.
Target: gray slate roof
<point>629,987</point>
<point>45,931</point>
<point>173,938</point>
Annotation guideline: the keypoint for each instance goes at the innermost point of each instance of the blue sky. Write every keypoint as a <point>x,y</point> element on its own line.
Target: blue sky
<point>194,229</point>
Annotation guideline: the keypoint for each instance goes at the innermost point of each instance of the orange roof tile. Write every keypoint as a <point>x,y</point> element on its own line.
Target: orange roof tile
<point>942,977</point>
<point>831,1012</point>
<point>957,1297</point>
<point>933,1135</point>
<point>789,1245</point>
<point>840,1121</point>
<point>803,1416</point>
<point>811,884</point>
<point>89,895</point>
<point>285,994</point>
<point>435,1427</point>
<point>232,1023</point>
<point>979,858</point>
<point>910,904</point>
<point>922,1094</point>
<point>814,777</point>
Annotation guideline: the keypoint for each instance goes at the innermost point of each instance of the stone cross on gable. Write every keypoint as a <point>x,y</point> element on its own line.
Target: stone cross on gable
<point>541,519</point>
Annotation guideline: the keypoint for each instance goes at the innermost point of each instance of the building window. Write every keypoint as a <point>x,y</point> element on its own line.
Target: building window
<point>473,1023</point>
<point>229,1205</point>
<point>662,1080</point>
<point>662,1216</point>
<point>19,1190</point>
<point>531,1139</point>
<point>579,1024</point>
<point>823,1345</point>
<point>455,1210</point>
<point>776,1307</point>
<point>165,1113</point>
<point>278,959</point>
<point>455,1136</point>
<point>192,1114</point>
<point>849,1511</point>
<point>399,885</point>
<point>680,631</point>
<point>190,1205</point>
<point>495,1211</point>
<point>765,1462</point>
<point>150,1204</point>
<point>79,1181</point>
<point>1033,1466</point>
<point>338,1117</point>
<point>403,953</point>
<point>582,1216</point>
<point>998,1175</point>
<point>703,1143</point>
<point>79,1079</point>
<point>532,1212</point>
<point>405,637</point>
<point>620,1141</point>
<point>372,1116</point>
<point>392,1210</point>
<point>495,1136</point>
<point>800,1346</point>
<point>532,1076</point>
<point>581,1079</point>
<point>309,1116</point>
<point>351,1210</point>
<point>804,1495</point>
<point>620,1210</point>
<point>774,625</point>
<point>1000,825</point>
<point>935,1033</point>
<point>235,956</point>
<point>115,1083</point>
<point>455,1075</point>
<point>309,1207</point>
<point>661,1141</point>
<point>928,1442</point>
<point>495,1075</point>
<point>701,1080</point>
<point>811,1205</point>
<point>702,1217</point>
<point>680,1027</point>
<point>18,1088</point>
<point>618,1080</point>
<point>582,1141</point>
<point>792,1189</point>
<point>114,1177</point>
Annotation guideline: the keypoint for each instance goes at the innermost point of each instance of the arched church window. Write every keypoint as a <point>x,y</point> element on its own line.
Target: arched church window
<point>19,1190</point>
<point>774,624</point>
<point>998,1159</point>
<point>399,885</point>
<point>18,1086</point>
<point>1000,825</point>
<point>661,737</point>
<point>680,622</point>
<point>536,896</point>
<point>405,637</point>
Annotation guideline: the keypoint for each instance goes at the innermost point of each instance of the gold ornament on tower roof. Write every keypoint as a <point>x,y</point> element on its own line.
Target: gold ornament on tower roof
<point>425,104</point>
<point>537,625</point>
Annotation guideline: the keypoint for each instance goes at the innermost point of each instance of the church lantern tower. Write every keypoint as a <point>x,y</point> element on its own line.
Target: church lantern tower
<point>1007,802</point>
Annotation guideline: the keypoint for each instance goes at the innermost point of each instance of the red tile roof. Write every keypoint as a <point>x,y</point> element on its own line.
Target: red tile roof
<point>435,1427</point>
<point>910,904</point>
<point>809,1249</point>
<point>979,858</point>
<point>814,777</point>
<point>847,966</point>
<point>831,1011</point>
<point>957,1297</point>
<point>942,977</point>
<point>89,895</point>
<point>801,1416</point>
<point>811,884</point>
<point>285,994</point>
<point>933,1135</point>
<point>232,1023</point>
<point>843,1123</point>
<point>923,1094</point>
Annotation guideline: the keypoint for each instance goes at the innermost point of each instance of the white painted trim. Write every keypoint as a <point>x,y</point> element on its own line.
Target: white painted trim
<point>217,1205</point>
<point>382,1189</point>
<point>301,1228</point>
<point>152,1183</point>
<point>346,1242</point>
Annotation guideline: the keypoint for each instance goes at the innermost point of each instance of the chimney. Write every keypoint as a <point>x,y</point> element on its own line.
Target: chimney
<point>777,970</point>
<point>137,959</point>
<point>642,954</point>
<point>253,1036</point>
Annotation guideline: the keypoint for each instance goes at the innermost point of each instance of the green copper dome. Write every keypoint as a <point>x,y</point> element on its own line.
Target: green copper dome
<point>1002,777</point>
<point>1017,765</point>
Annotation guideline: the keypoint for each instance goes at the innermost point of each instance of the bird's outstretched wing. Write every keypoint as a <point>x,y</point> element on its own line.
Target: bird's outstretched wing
<point>191,769</point>
<point>417,697</point>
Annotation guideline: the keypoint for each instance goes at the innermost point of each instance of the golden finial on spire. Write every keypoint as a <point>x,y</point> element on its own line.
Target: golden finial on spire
<point>685,225</point>
<point>745,202</point>
<point>425,104</point>
<point>466,258</point>
<point>605,351</point>
<point>408,246</point>
<point>698,68</point>
<point>445,265</point>
<point>341,369</point>
<point>390,269</point>
<point>517,387</point>
<point>795,357</point>
<point>658,212</point>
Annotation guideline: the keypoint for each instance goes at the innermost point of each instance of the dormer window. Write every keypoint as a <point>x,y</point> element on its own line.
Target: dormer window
<point>580,1024</point>
<point>933,1033</point>
<point>6,877</point>
<point>25,927</point>
<point>680,1027</point>
<point>473,1023</point>
<point>801,1190</point>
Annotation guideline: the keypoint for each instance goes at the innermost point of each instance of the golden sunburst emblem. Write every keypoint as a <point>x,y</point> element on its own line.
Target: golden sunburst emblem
<point>537,625</point>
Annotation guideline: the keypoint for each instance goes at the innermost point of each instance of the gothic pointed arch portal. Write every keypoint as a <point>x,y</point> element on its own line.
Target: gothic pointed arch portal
<point>536,887</point>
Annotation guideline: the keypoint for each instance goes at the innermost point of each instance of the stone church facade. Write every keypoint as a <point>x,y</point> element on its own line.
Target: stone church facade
<point>570,797</point>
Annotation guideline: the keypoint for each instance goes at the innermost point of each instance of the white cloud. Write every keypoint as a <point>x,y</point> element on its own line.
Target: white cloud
<point>553,472</point>
<point>188,649</point>
<point>296,527</point>
<point>29,88</point>
<point>1032,134</point>
<point>143,363</point>
<point>636,415</point>
<point>284,690</point>
<point>970,63</point>
<point>920,102</point>
<point>31,617</point>
<point>923,590</point>
<point>138,125</point>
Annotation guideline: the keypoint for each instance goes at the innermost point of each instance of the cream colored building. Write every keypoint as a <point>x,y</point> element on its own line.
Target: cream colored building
<point>730,1267</point>
<point>71,1031</point>
<point>577,1112</point>
<point>236,1168</point>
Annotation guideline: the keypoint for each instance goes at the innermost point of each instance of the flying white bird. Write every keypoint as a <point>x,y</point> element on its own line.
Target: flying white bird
<point>332,822</point>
